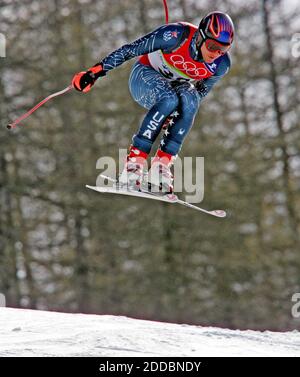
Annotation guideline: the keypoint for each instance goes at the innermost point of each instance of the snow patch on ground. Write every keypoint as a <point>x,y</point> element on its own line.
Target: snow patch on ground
<point>41,333</point>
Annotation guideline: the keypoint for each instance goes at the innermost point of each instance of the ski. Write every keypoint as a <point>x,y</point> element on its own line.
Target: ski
<point>168,198</point>
<point>116,190</point>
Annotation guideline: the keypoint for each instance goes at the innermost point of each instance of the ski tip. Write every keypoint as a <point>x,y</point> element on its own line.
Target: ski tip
<point>220,213</point>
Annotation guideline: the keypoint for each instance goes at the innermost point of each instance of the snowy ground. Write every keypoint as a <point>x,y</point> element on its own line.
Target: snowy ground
<point>39,333</point>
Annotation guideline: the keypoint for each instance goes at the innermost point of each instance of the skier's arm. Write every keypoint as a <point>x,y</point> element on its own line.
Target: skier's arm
<point>204,86</point>
<point>165,38</point>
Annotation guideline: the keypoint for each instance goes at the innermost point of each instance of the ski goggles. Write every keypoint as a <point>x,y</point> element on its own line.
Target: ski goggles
<point>214,46</point>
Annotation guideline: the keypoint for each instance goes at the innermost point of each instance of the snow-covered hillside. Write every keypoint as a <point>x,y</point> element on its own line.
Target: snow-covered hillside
<point>39,333</point>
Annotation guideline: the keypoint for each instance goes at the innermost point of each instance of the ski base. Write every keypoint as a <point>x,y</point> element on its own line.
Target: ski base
<point>115,190</point>
<point>168,198</point>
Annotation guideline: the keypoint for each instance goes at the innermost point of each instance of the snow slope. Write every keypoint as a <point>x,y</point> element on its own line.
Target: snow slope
<point>40,333</point>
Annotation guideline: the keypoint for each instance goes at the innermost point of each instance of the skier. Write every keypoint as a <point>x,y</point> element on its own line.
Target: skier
<point>178,65</point>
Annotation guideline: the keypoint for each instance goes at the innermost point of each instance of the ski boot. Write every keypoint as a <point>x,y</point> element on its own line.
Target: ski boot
<point>133,173</point>
<point>160,177</point>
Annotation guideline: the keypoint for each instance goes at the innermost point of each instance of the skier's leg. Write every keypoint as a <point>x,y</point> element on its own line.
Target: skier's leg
<point>183,119</point>
<point>152,91</point>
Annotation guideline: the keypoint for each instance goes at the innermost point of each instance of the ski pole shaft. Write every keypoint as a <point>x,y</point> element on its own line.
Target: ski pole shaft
<point>166,11</point>
<point>24,116</point>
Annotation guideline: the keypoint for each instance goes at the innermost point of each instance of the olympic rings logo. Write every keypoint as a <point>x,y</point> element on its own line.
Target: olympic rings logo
<point>189,68</point>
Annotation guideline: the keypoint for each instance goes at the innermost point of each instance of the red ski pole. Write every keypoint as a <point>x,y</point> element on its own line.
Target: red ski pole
<point>166,11</point>
<point>24,116</point>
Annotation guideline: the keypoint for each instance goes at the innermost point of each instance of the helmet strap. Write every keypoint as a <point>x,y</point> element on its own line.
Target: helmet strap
<point>202,34</point>
<point>199,45</point>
